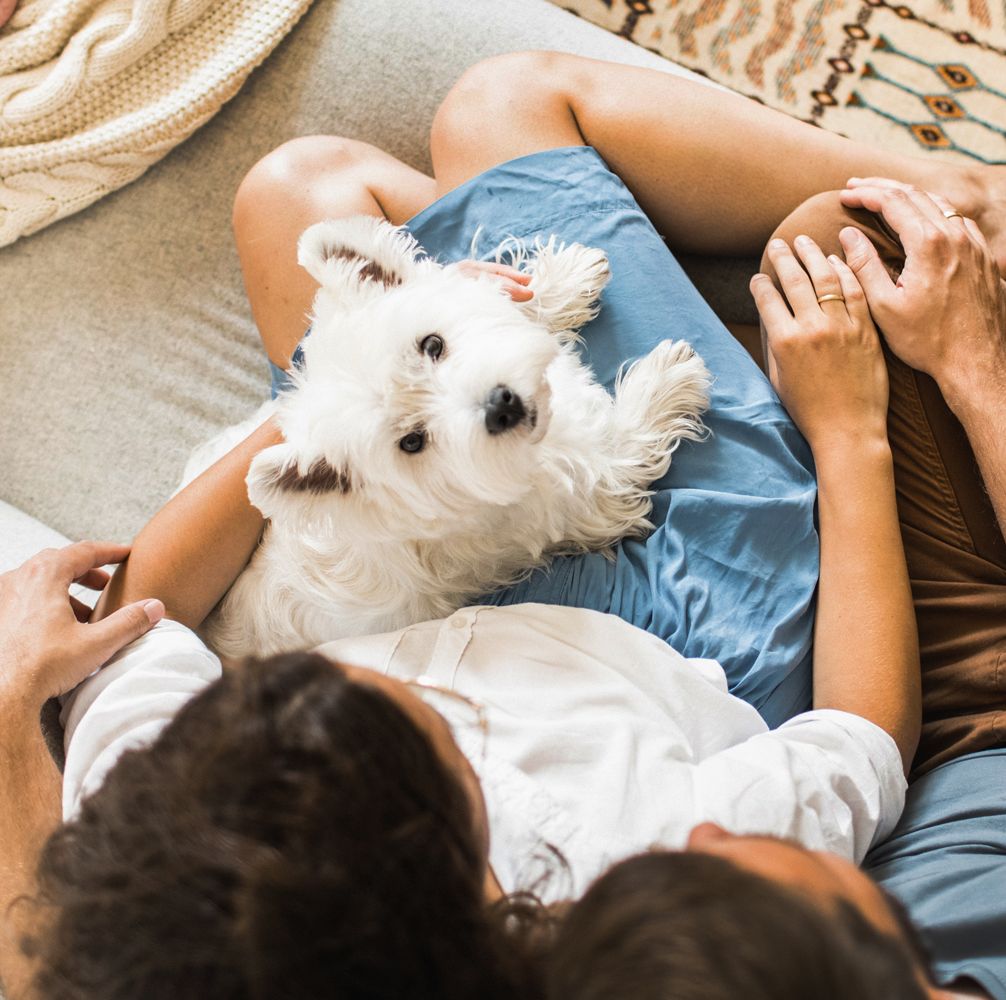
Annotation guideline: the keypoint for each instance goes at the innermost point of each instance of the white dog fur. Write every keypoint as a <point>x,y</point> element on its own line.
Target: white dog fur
<point>365,537</point>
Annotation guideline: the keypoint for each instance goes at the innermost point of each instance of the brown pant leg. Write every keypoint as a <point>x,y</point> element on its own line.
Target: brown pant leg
<point>954,546</point>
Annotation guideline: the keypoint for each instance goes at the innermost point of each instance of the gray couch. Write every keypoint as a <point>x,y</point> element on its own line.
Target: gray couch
<point>126,334</point>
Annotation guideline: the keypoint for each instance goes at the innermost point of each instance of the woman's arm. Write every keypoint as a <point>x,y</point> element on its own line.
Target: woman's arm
<point>196,545</point>
<point>45,650</point>
<point>826,362</point>
<point>866,654</point>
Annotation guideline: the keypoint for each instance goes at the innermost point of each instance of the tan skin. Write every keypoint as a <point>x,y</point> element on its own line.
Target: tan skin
<point>700,194</point>
<point>46,649</point>
<point>945,315</point>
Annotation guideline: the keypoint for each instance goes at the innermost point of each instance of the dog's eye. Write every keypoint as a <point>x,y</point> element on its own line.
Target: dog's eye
<point>413,442</point>
<point>432,346</point>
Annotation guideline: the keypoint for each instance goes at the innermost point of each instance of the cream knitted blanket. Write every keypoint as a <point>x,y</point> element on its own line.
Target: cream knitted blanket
<point>92,92</point>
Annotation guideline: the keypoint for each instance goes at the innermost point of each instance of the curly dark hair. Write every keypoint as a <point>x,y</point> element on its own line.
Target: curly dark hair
<point>693,926</point>
<point>291,833</point>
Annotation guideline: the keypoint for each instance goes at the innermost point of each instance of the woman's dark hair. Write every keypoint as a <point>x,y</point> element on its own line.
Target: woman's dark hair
<point>290,834</point>
<point>692,926</point>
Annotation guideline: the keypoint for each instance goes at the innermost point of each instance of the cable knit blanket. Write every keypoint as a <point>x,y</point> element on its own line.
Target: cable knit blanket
<point>92,92</point>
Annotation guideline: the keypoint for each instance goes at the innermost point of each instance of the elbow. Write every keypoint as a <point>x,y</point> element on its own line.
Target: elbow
<point>908,743</point>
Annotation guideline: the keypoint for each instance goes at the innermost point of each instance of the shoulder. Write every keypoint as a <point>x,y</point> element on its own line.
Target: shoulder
<point>128,702</point>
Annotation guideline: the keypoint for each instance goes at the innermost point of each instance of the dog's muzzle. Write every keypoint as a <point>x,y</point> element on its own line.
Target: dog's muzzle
<point>504,410</point>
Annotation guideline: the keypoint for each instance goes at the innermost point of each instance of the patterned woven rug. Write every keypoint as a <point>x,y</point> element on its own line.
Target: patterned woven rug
<point>926,75</point>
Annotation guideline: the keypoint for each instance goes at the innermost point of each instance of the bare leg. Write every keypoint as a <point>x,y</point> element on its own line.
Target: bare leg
<point>715,172</point>
<point>302,182</point>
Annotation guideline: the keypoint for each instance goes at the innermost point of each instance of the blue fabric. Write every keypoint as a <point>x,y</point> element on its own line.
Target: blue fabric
<point>946,861</point>
<point>280,379</point>
<point>731,569</point>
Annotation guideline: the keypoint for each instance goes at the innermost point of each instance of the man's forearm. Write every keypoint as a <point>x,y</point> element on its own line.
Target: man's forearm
<point>196,545</point>
<point>29,812</point>
<point>977,395</point>
<point>866,656</point>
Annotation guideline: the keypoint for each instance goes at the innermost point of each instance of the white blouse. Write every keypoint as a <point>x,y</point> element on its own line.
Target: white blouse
<point>603,741</point>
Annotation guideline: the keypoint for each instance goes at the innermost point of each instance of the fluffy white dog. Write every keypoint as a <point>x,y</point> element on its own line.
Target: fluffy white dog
<point>441,441</point>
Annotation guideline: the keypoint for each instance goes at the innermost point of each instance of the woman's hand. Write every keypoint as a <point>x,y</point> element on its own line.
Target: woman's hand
<point>824,358</point>
<point>946,313</point>
<point>513,281</point>
<point>46,645</point>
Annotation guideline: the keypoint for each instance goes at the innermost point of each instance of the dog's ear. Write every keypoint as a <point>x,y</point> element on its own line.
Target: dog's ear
<point>275,478</point>
<point>348,257</point>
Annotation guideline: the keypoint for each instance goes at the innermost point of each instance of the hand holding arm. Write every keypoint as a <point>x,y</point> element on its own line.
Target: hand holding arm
<point>944,315</point>
<point>827,366</point>
<point>46,648</point>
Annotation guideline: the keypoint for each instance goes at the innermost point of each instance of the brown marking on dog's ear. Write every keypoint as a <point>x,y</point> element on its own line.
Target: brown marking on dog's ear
<point>371,270</point>
<point>319,478</point>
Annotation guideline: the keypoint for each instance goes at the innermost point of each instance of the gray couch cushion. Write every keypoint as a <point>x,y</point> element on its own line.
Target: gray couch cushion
<point>22,536</point>
<point>127,337</point>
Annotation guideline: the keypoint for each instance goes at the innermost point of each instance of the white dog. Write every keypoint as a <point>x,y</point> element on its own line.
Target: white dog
<point>441,441</point>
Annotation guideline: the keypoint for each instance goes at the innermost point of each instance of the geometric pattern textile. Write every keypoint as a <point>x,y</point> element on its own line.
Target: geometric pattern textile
<point>92,92</point>
<point>914,77</point>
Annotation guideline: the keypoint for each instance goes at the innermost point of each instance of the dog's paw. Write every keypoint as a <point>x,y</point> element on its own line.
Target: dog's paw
<point>659,403</point>
<point>567,282</point>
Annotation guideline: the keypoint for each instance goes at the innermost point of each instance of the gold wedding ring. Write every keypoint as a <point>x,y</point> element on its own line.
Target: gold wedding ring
<point>831,298</point>
<point>949,213</point>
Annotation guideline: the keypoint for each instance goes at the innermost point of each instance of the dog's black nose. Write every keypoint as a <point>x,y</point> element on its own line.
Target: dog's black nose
<point>504,410</point>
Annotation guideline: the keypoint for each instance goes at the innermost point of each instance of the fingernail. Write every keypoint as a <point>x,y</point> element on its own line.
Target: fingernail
<point>802,240</point>
<point>154,610</point>
<point>835,259</point>
<point>853,236</point>
<point>778,244</point>
<point>853,180</point>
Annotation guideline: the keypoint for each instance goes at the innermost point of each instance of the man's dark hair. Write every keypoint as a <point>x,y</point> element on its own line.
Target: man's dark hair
<point>692,926</point>
<point>290,834</point>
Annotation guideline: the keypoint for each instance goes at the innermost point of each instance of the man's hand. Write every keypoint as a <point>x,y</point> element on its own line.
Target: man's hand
<point>513,281</point>
<point>946,313</point>
<point>46,645</point>
<point>824,358</point>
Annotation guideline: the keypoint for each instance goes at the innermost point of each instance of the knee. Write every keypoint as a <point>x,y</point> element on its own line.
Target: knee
<point>290,172</point>
<point>821,217</point>
<point>498,91</point>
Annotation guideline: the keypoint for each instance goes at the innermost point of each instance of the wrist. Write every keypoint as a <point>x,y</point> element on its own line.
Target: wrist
<point>20,725</point>
<point>977,381</point>
<point>840,446</point>
<point>854,468</point>
<point>19,688</point>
